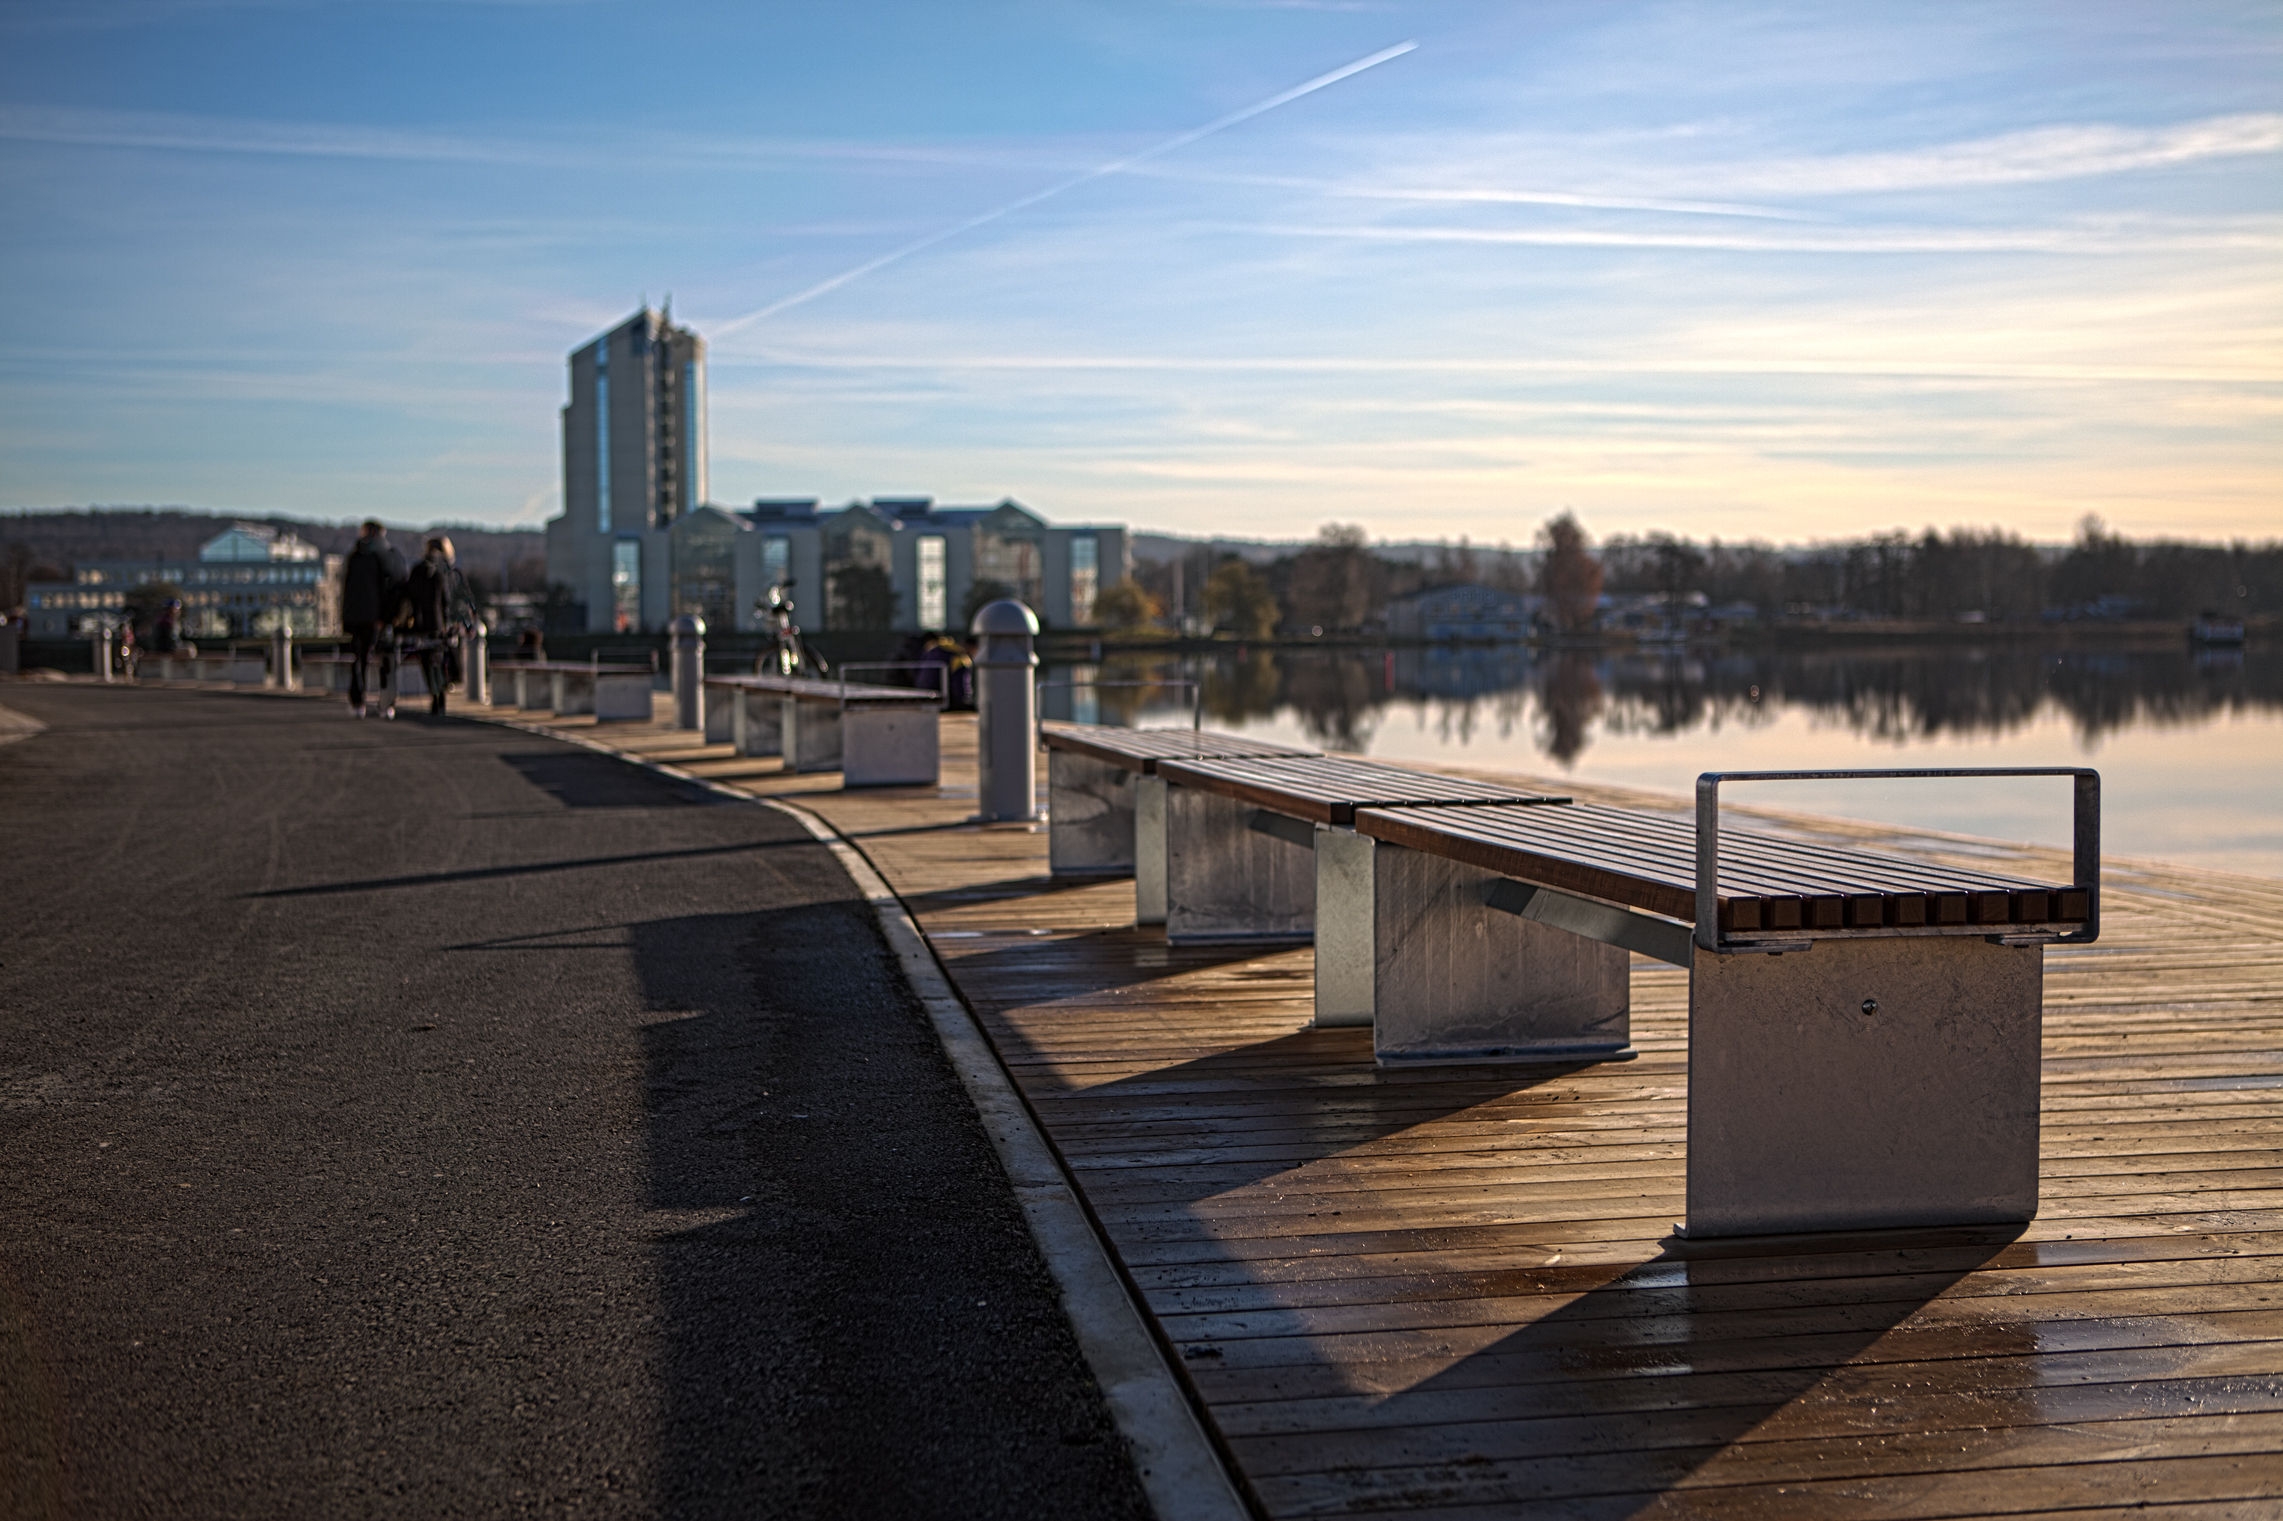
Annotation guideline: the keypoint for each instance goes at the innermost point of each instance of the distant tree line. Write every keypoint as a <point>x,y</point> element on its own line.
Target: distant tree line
<point>1338,584</point>
<point>1941,576</point>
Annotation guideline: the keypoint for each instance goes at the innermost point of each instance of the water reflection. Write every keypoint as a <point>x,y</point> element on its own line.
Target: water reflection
<point>1564,699</point>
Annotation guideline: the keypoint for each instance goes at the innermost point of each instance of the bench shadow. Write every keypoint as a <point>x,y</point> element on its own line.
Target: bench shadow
<point>1609,1404</point>
<point>1638,1378</point>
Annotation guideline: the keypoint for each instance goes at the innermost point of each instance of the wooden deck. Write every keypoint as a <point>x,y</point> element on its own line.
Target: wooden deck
<point>1454,1292</point>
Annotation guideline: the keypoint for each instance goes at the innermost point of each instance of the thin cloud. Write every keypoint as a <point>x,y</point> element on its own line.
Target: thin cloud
<point>2042,154</point>
<point>1883,240</point>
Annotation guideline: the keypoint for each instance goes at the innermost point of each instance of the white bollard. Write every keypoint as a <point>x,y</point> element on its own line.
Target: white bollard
<point>281,660</point>
<point>689,672</point>
<point>475,665</point>
<point>102,653</point>
<point>1006,712</point>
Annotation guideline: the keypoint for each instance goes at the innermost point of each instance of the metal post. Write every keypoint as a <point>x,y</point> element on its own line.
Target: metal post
<point>102,653</point>
<point>689,672</point>
<point>281,659</point>
<point>475,665</point>
<point>1006,716</point>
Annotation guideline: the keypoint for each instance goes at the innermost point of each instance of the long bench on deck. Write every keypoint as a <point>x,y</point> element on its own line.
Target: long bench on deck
<point>612,693</point>
<point>874,736</point>
<point>1246,838</point>
<point>1106,811</point>
<point>1863,1028</point>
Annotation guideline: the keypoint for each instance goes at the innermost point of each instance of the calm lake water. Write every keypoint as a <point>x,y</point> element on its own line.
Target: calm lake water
<point>2189,744</point>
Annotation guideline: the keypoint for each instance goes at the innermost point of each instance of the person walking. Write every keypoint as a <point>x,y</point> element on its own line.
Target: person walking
<point>371,586</point>
<point>441,607</point>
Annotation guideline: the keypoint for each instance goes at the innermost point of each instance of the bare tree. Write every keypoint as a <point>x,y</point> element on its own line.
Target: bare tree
<point>1571,578</point>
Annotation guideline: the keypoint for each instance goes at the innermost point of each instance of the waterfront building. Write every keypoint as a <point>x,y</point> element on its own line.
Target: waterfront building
<point>634,465</point>
<point>1462,612</point>
<point>639,545</point>
<point>912,564</point>
<point>246,581</point>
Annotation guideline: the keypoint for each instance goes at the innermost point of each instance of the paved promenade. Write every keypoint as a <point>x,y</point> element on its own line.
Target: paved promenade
<point>430,1119</point>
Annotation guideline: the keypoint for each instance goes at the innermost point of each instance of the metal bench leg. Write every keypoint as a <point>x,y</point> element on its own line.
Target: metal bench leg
<point>758,723</point>
<point>889,747</point>
<point>1417,952</point>
<point>812,736</point>
<point>1225,880</point>
<point>1862,1085</point>
<point>1149,850</point>
<point>1090,816</point>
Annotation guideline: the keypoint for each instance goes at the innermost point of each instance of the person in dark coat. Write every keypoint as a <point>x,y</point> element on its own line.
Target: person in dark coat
<point>438,595</point>
<point>371,587</point>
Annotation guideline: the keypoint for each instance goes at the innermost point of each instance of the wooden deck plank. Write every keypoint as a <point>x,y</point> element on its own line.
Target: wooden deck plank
<point>1452,1292</point>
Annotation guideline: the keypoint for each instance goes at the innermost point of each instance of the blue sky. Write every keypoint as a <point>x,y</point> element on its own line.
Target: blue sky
<point>1784,271</point>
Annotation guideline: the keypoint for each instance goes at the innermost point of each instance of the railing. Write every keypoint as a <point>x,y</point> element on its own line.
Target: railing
<point>1196,706</point>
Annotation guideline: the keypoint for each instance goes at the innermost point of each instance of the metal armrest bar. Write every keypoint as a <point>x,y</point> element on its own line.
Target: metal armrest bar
<point>2085,835</point>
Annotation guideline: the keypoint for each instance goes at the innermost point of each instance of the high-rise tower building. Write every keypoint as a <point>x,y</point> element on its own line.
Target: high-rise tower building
<point>634,462</point>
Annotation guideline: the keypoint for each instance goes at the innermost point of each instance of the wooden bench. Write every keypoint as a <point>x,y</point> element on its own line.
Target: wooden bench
<point>1247,837</point>
<point>1863,1029</point>
<point>874,736</point>
<point>1105,807</point>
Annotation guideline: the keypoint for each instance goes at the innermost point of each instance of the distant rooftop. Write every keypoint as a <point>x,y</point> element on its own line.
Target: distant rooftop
<point>241,542</point>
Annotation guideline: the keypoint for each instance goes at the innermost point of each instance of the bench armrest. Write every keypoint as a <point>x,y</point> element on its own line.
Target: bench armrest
<point>2085,834</point>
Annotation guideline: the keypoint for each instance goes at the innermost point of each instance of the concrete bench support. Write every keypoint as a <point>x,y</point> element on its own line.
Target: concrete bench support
<point>1090,806</point>
<point>571,691</point>
<point>1408,943</point>
<point>812,735</point>
<point>757,722</point>
<point>1150,794</point>
<point>721,714</point>
<point>1807,1113</point>
<point>534,689</point>
<point>896,746</point>
<point>621,697</point>
<point>1233,873</point>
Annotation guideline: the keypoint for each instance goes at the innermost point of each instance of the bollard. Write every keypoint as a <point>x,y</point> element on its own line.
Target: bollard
<point>475,665</point>
<point>281,660</point>
<point>102,653</point>
<point>1006,712</point>
<point>689,672</point>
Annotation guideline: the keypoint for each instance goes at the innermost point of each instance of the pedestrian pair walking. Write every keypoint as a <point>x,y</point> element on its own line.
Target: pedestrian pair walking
<point>382,602</point>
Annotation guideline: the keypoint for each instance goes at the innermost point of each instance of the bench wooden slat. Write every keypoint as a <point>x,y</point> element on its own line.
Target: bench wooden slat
<point>1648,862</point>
<point>1329,789</point>
<point>1141,749</point>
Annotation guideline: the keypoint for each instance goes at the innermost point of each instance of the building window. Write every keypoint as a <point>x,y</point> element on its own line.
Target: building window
<point>626,584</point>
<point>776,561</point>
<point>935,584</point>
<point>694,402</point>
<point>602,436</point>
<point>1085,577</point>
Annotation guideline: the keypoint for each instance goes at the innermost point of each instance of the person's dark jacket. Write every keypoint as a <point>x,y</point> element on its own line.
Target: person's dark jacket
<point>434,590</point>
<point>373,571</point>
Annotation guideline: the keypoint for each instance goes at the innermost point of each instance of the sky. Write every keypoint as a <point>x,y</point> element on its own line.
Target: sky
<point>1778,272</point>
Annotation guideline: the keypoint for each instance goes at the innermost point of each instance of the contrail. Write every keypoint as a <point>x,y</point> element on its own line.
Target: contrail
<point>1113,167</point>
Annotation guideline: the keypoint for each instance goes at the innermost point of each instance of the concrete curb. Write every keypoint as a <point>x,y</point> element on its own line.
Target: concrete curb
<point>1179,1466</point>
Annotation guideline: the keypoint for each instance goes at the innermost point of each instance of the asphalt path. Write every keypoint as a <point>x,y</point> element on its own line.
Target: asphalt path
<point>429,1119</point>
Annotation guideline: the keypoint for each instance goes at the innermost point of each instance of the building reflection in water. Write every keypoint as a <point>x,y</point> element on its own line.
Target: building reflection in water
<point>1340,698</point>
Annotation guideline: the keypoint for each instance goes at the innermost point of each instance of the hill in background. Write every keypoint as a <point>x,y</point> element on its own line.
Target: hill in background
<point>36,544</point>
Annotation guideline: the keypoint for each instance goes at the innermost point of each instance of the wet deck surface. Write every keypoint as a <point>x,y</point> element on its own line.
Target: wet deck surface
<point>1454,1292</point>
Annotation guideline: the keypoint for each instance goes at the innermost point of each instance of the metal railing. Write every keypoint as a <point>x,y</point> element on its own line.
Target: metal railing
<point>1196,689</point>
<point>2085,842</point>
